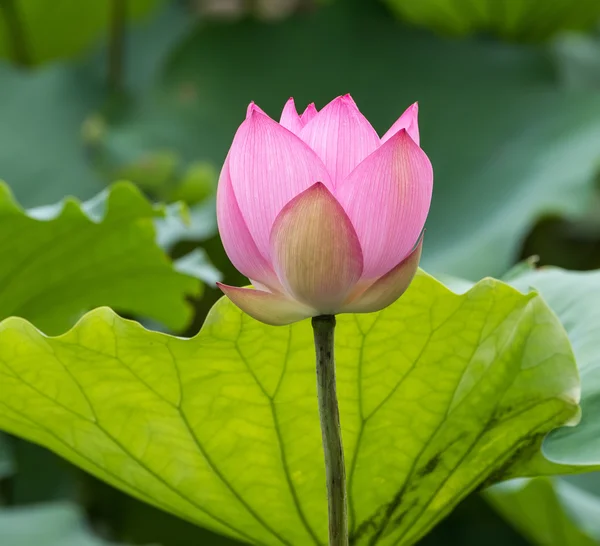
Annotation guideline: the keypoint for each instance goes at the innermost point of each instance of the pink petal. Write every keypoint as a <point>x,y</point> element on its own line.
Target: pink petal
<point>387,198</point>
<point>274,309</point>
<point>252,107</point>
<point>290,118</point>
<point>341,136</point>
<point>308,114</point>
<point>236,238</point>
<point>315,250</point>
<point>409,120</point>
<point>387,289</point>
<point>269,166</point>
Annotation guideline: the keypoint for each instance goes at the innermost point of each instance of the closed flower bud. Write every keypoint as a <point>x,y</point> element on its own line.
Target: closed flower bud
<point>320,213</point>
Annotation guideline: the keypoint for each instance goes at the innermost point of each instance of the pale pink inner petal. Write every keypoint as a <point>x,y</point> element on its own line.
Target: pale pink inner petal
<point>269,166</point>
<point>409,120</point>
<point>236,238</point>
<point>290,118</point>
<point>341,136</point>
<point>387,198</point>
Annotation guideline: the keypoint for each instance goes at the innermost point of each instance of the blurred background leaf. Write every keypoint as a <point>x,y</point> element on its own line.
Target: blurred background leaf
<point>34,32</point>
<point>512,19</point>
<point>58,112</point>
<point>60,261</point>
<point>578,60</point>
<point>549,512</point>
<point>57,524</point>
<point>6,460</point>
<point>48,107</point>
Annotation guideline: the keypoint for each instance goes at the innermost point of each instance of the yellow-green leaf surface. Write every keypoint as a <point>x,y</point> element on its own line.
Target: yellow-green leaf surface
<point>515,19</point>
<point>439,393</point>
<point>60,261</point>
<point>558,512</point>
<point>61,28</point>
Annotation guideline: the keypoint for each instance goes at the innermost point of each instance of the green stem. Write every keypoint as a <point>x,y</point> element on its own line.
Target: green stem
<point>16,33</point>
<point>324,327</point>
<point>116,44</point>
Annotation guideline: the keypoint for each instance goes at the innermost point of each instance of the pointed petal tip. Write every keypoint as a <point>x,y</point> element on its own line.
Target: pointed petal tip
<point>348,99</point>
<point>409,120</point>
<point>253,109</point>
<point>309,113</point>
<point>414,110</point>
<point>341,136</point>
<point>316,191</point>
<point>265,156</point>
<point>290,105</point>
<point>290,118</point>
<point>319,186</point>
<point>401,138</point>
<point>250,109</point>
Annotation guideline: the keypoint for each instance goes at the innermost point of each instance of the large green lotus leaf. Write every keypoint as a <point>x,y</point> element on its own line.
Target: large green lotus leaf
<point>506,143</point>
<point>58,524</point>
<point>575,298</point>
<point>57,262</point>
<point>516,19</point>
<point>439,393</point>
<point>64,28</point>
<point>549,512</point>
<point>571,295</point>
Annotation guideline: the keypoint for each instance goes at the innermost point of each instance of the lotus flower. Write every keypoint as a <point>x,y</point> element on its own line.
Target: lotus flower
<point>321,214</point>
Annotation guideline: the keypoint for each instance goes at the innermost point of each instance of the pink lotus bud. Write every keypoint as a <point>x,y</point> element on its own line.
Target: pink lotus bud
<point>321,214</point>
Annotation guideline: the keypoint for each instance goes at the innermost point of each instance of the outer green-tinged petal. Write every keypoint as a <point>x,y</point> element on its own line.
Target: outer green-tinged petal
<point>315,250</point>
<point>387,289</point>
<point>273,309</point>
